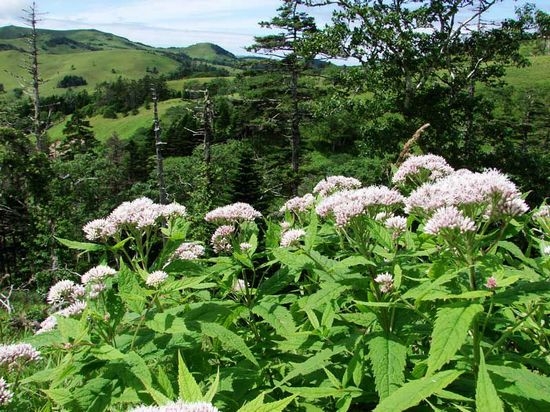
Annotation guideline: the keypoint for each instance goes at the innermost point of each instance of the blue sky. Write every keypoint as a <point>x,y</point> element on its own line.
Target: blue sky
<point>232,24</point>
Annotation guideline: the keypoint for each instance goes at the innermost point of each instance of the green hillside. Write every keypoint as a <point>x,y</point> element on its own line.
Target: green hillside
<point>96,56</point>
<point>124,127</point>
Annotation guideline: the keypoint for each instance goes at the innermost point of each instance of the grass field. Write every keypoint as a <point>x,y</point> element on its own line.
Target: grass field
<point>537,75</point>
<point>124,127</point>
<point>94,67</point>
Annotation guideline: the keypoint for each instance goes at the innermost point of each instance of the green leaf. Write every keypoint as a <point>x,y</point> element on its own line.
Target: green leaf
<point>83,246</point>
<point>95,395</point>
<point>106,352</point>
<point>165,382</point>
<point>486,395</point>
<point>258,405</point>
<point>314,363</point>
<point>213,389</point>
<point>277,316</point>
<point>450,331</point>
<point>131,293</point>
<point>413,392</point>
<point>228,339</point>
<point>323,391</point>
<point>189,390</point>
<point>139,369</point>
<point>61,396</point>
<point>317,300</point>
<point>388,357</point>
<point>522,382</point>
<point>354,369</point>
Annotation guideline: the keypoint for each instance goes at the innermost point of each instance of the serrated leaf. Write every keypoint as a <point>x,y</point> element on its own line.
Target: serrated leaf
<point>486,395</point>
<point>189,390</point>
<point>323,391</point>
<point>277,316</point>
<point>165,383</point>
<point>413,392</point>
<point>258,405</point>
<point>106,352</point>
<point>317,300</point>
<point>450,330</point>
<point>522,382</point>
<point>83,246</point>
<point>95,395</point>
<point>314,363</point>
<point>228,339</point>
<point>61,396</point>
<point>388,357</point>
<point>213,389</point>
<point>131,293</point>
<point>354,369</point>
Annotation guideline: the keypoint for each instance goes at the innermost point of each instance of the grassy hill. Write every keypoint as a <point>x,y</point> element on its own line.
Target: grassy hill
<point>94,55</point>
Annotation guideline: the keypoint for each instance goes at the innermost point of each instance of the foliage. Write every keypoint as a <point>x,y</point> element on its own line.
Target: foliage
<point>71,81</point>
<point>382,307</point>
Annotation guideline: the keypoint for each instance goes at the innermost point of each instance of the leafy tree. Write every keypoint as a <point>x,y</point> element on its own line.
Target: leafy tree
<point>71,81</point>
<point>79,136</point>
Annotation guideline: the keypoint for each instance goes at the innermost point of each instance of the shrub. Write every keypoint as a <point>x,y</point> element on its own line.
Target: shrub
<point>71,81</point>
<point>353,298</point>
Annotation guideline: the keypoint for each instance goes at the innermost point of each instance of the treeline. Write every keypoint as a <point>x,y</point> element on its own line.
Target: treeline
<point>279,127</point>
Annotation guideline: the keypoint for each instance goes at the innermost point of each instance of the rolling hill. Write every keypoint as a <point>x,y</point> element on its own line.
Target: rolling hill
<point>96,56</point>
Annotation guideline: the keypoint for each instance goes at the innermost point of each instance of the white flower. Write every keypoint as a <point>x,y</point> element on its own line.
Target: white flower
<point>385,282</point>
<point>292,237</point>
<point>157,278</point>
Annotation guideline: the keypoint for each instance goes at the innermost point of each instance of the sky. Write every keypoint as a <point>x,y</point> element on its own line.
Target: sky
<point>231,24</point>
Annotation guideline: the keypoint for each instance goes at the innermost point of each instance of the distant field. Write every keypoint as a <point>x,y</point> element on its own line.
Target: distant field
<point>94,67</point>
<point>124,127</point>
<point>537,75</point>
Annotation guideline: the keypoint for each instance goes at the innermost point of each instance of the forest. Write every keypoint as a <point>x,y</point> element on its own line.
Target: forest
<point>184,229</point>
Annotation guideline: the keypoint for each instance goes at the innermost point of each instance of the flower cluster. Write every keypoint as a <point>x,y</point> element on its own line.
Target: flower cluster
<point>334,184</point>
<point>292,237</point>
<point>299,204</point>
<point>233,213</point>
<point>221,239</point>
<point>490,190</point>
<point>65,291</point>
<point>140,213</point>
<point>189,251</point>
<point>157,278</point>
<point>347,204</point>
<point>95,277</point>
<point>385,282</point>
<point>5,394</point>
<point>16,355</point>
<point>397,224</point>
<point>179,406</point>
<point>449,218</point>
<point>436,166</point>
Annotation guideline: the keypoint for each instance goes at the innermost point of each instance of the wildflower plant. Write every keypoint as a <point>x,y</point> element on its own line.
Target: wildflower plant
<point>429,294</point>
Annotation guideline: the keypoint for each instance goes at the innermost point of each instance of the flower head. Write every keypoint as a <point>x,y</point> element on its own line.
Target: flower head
<point>299,204</point>
<point>292,237</point>
<point>16,355</point>
<point>221,239</point>
<point>491,283</point>
<point>233,213</point>
<point>449,217</point>
<point>5,394</point>
<point>179,406</point>
<point>189,251</point>
<point>334,184</point>
<point>436,166</point>
<point>97,274</point>
<point>397,224</point>
<point>173,210</point>
<point>385,282</point>
<point>74,309</point>
<point>239,285</point>
<point>157,278</point>
<point>99,229</point>
<point>245,246</point>
<point>47,324</point>
<point>65,291</point>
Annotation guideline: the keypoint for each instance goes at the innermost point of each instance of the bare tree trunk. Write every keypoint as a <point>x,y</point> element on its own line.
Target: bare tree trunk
<point>31,19</point>
<point>158,146</point>
<point>295,131</point>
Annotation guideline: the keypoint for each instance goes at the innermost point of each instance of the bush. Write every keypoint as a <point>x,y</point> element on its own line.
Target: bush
<point>434,292</point>
<point>71,81</point>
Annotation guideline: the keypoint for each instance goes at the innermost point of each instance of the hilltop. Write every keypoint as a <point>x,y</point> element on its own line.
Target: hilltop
<point>97,56</point>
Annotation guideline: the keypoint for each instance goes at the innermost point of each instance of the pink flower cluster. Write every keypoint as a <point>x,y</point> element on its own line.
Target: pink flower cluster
<point>5,394</point>
<point>292,237</point>
<point>449,218</point>
<point>65,291</point>
<point>221,239</point>
<point>299,204</point>
<point>437,166</point>
<point>385,282</point>
<point>179,406</point>
<point>347,204</point>
<point>139,213</point>
<point>334,184</point>
<point>16,355</point>
<point>233,213</point>
<point>95,277</point>
<point>157,278</point>
<point>491,190</point>
<point>189,251</point>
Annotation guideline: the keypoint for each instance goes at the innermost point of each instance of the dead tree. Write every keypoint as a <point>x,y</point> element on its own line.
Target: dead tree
<point>158,147</point>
